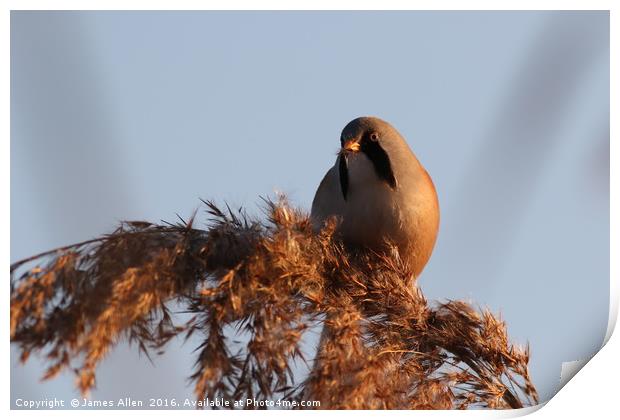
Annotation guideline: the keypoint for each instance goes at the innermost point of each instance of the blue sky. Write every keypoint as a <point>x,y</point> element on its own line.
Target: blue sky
<point>137,115</point>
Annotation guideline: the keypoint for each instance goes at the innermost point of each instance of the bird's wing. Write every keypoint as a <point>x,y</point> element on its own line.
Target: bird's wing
<point>328,200</point>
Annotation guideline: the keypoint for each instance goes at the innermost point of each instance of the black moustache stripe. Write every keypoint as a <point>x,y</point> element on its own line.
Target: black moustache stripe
<point>380,161</point>
<point>344,175</point>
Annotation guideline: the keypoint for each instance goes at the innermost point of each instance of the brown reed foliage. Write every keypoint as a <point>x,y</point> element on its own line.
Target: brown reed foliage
<point>383,346</point>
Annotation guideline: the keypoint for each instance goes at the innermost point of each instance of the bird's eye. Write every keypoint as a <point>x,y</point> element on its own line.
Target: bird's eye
<point>374,137</point>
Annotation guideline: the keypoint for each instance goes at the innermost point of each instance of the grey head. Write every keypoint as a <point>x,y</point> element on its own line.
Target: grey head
<point>379,141</point>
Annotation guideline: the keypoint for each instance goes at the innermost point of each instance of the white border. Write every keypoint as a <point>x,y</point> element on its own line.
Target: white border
<point>312,5</point>
<point>590,393</point>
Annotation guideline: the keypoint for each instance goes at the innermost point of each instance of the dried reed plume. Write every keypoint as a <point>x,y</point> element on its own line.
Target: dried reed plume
<point>383,346</point>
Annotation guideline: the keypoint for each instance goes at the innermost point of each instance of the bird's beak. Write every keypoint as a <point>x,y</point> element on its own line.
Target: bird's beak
<point>351,145</point>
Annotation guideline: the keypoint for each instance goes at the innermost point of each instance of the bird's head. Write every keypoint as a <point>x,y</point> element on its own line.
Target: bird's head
<point>376,139</point>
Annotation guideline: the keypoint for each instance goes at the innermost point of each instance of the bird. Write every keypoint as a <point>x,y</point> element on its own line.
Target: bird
<point>380,195</point>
